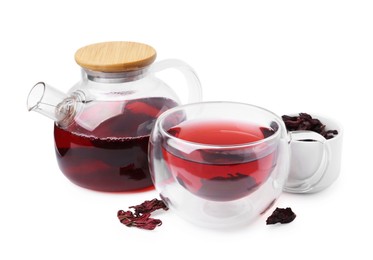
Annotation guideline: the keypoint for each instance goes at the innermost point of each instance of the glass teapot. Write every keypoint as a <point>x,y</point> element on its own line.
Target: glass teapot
<point>102,125</point>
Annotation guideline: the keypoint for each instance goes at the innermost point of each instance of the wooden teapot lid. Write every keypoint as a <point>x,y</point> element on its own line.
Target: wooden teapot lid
<point>115,56</point>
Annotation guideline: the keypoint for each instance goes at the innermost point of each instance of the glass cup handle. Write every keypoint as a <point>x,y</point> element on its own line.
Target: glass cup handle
<point>305,185</point>
<point>193,83</point>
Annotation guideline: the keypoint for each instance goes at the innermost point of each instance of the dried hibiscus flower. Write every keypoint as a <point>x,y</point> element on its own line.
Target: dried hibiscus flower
<point>282,216</point>
<point>305,122</point>
<point>141,217</point>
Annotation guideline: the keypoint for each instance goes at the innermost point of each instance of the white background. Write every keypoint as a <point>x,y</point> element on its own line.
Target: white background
<point>287,56</point>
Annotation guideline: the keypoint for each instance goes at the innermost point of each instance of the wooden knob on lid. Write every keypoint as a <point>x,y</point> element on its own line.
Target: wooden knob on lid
<point>115,56</point>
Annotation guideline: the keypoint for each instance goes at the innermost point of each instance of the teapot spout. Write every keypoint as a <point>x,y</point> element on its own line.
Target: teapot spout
<point>52,103</point>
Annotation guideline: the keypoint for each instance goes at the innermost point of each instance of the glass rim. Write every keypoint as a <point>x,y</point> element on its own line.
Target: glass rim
<point>167,113</point>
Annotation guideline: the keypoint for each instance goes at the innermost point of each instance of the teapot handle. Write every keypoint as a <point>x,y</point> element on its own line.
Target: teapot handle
<point>193,83</point>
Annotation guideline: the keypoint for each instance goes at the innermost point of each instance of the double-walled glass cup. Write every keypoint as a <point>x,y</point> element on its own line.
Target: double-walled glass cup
<point>219,164</point>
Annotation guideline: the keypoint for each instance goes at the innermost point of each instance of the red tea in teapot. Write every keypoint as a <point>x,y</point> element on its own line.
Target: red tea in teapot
<point>221,174</point>
<point>110,154</point>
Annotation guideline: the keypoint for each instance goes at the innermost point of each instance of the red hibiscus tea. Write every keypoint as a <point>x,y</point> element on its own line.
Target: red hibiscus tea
<point>110,153</point>
<point>227,167</point>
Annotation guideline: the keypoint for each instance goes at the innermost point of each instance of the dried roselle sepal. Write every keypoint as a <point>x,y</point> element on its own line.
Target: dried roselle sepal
<point>282,216</point>
<point>146,222</point>
<point>331,133</point>
<point>305,121</point>
<point>149,206</point>
<point>315,122</point>
<point>143,221</point>
<point>305,125</point>
<point>141,218</point>
<point>125,217</point>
